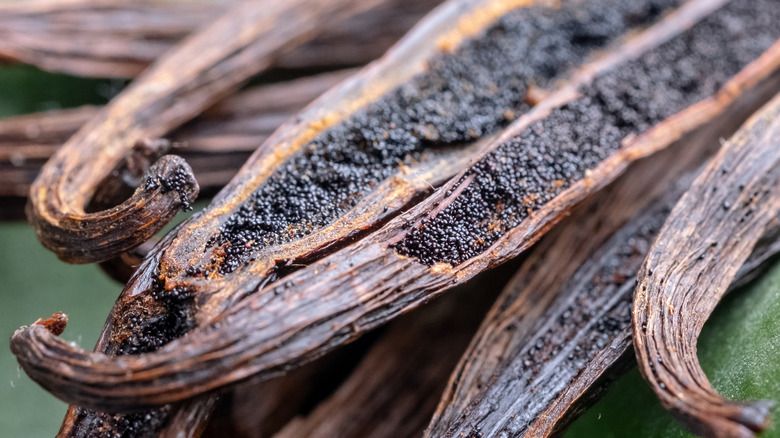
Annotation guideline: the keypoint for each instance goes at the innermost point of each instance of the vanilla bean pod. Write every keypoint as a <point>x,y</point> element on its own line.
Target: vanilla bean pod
<point>360,114</point>
<point>120,38</point>
<point>554,339</point>
<point>260,410</point>
<point>395,388</point>
<point>334,300</point>
<point>521,382</point>
<point>206,67</point>
<point>99,38</point>
<point>705,240</point>
<point>215,144</point>
<point>263,409</point>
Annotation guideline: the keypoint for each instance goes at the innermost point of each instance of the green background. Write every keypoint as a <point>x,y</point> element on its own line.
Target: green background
<point>33,282</point>
<point>739,349</point>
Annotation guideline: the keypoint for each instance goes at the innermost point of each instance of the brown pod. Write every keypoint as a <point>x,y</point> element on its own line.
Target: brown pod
<point>395,388</point>
<point>262,328</point>
<point>216,143</point>
<point>356,158</point>
<point>526,375</point>
<point>707,237</point>
<point>560,332</point>
<point>97,38</point>
<point>120,38</point>
<point>205,68</point>
<point>263,409</point>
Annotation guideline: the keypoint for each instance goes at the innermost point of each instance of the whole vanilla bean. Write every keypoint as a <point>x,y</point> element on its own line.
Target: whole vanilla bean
<point>394,389</point>
<point>215,144</point>
<point>263,409</point>
<point>707,237</point>
<point>98,38</point>
<point>121,38</point>
<point>560,332</point>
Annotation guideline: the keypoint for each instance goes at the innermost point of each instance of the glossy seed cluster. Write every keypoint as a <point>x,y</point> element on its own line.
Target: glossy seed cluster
<point>177,182</point>
<point>524,174</point>
<point>151,332</point>
<point>461,97</point>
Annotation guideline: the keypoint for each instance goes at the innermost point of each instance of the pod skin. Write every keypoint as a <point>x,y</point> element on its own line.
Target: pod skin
<point>394,389</point>
<point>205,68</point>
<point>60,35</point>
<point>215,144</point>
<point>707,237</point>
<point>491,390</point>
<point>560,332</point>
<point>336,299</point>
<point>180,287</point>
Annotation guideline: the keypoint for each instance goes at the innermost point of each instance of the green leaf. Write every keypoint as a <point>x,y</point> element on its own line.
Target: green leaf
<point>25,89</point>
<point>739,350</point>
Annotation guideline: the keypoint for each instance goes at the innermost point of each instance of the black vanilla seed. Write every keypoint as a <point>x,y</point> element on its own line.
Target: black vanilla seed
<point>525,173</point>
<point>461,97</point>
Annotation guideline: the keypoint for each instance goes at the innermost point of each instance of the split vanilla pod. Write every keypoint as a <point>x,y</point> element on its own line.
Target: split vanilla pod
<point>338,281</point>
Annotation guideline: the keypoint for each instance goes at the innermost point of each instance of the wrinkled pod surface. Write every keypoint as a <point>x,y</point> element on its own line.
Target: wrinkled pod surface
<point>60,35</point>
<point>556,338</point>
<point>707,237</point>
<point>313,311</point>
<point>234,248</point>
<point>560,332</point>
<point>194,75</point>
<point>156,307</point>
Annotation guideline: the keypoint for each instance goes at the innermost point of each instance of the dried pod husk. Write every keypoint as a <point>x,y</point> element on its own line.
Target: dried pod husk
<point>205,68</point>
<point>266,328</point>
<point>395,388</point>
<point>103,38</point>
<point>707,237</point>
<point>560,332</point>
<point>180,286</point>
<point>21,157</point>
<point>215,144</point>
<point>263,409</point>
<point>371,147</point>
<point>121,38</point>
<point>529,371</point>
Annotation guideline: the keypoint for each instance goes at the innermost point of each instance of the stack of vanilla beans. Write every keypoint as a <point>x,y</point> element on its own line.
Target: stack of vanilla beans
<point>618,159</point>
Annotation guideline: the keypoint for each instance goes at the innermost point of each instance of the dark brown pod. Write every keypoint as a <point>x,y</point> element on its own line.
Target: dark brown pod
<point>707,237</point>
<point>261,329</point>
<point>102,38</point>
<point>121,38</point>
<point>561,330</point>
<point>215,144</point>
<point>329,146</point>
<point>395,388</point>
<point>208,66</point>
